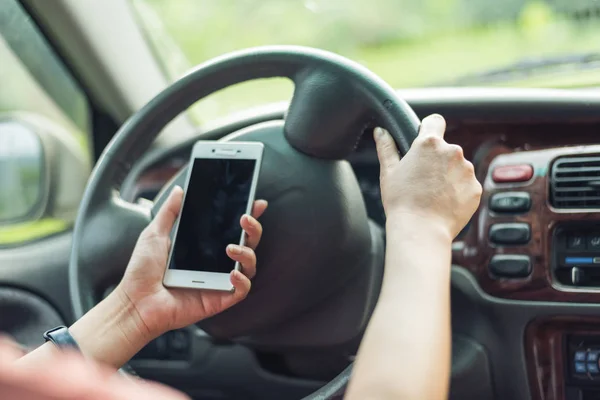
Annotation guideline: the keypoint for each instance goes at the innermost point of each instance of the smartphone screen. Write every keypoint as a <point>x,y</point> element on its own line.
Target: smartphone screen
<point>217,196</point>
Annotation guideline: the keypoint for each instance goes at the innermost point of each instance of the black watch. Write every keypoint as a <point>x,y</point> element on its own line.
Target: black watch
<point>61,337</point>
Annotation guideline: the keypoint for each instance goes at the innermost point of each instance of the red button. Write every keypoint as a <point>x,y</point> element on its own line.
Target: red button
<point>512,173</point>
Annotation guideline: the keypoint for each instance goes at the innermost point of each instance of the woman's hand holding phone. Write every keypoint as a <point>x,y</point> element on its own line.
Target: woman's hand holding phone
<point>141,308</point>
<point>161,309</point>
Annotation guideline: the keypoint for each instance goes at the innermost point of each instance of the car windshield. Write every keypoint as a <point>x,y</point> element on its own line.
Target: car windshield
<point>409,43</point>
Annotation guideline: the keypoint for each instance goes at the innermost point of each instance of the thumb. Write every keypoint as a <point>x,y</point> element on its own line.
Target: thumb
<point>166,216</point>
<point>387,152</point>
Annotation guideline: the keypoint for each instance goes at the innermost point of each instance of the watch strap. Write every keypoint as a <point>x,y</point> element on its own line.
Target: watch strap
<point>61,337</point>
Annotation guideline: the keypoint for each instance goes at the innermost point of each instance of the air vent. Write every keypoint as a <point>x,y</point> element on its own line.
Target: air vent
<point>575,182</point>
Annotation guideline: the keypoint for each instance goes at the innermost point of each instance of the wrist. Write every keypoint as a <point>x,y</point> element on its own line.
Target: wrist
<point>418,255</point>
<point>134,319</point>
<point>112,332</point>
<point>412,224</point>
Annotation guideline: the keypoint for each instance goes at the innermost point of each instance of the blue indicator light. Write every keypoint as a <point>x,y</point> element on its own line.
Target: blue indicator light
<point>579,260</point>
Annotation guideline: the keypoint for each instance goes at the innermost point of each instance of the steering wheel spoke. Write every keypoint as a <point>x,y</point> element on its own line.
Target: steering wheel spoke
<point>326,115</point>
<point>335,100</point>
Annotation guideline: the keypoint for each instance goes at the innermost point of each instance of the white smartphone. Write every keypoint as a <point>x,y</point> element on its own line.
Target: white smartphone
<point>219,189</point>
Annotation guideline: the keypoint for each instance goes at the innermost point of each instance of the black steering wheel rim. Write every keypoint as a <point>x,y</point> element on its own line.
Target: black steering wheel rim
<point>309,129</point>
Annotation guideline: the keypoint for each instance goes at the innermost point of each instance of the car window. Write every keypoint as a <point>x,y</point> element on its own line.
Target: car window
<point>44,126</point>
<point>409,43</point>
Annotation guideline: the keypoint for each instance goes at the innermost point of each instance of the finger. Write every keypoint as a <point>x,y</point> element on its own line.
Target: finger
<point>456,151</point>
<point>253,230</point>
<point>242,286</point>
<point>166,216</point>
<point>387,152</point>
<point>433,125</point>
<point>469,168</point>
<point>245,256</point>
<point>259,208</point>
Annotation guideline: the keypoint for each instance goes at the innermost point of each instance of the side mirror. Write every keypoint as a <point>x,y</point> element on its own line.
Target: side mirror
<point>43,172</point>
<point>23,178</point>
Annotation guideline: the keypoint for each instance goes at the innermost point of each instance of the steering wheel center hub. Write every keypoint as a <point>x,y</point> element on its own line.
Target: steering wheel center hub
<point>316,242</point>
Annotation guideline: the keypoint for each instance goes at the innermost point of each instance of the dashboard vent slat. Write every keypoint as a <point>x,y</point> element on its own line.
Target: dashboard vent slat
<point>580,198</point>
<point>578,170</point>
<point>575,182</point>
<point>575,189</point>
<point>587,178</point>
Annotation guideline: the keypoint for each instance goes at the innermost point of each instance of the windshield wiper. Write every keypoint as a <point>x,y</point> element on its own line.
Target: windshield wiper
<point>527,68</point>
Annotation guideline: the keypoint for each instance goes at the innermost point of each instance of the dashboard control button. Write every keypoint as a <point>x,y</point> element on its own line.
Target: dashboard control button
<point>510,233</point>
<point>580,355</point>
<point>580,368</point>
<point>592,356</point>
<point>510,202</point>
<point>593,241</point>
<point>512,173</point>
<point>593,368</point>
<point>511,266</point>
<point>576,242</point>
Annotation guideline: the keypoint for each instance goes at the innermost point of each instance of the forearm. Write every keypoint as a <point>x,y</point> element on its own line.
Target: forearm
<point>405,353</point>
<point>110,333</point>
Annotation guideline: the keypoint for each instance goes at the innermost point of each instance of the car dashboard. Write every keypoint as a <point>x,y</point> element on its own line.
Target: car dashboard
<point>535,238</point>
<point>481,142</point>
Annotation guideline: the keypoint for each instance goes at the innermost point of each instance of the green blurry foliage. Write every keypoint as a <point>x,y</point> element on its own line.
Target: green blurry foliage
<point>409,43</point>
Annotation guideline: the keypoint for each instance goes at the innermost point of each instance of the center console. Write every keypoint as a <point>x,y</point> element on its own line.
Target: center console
<point>537,234</point>
<point>537,238</point>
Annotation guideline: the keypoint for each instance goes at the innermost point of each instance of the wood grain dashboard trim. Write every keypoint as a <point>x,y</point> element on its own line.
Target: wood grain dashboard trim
<point>545,351</point>
<point>477,251</point>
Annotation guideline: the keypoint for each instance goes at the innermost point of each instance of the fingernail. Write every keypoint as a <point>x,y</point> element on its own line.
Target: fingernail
<point>235,249</point>
<point>237,275</point>
<point>377,133</point>
<point>434,120</point>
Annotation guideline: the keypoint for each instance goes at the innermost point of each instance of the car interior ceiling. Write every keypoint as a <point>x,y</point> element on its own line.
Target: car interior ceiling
<point>525,287</point>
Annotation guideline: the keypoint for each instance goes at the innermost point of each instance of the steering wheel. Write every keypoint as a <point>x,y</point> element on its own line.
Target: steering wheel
<point>320,259</point>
